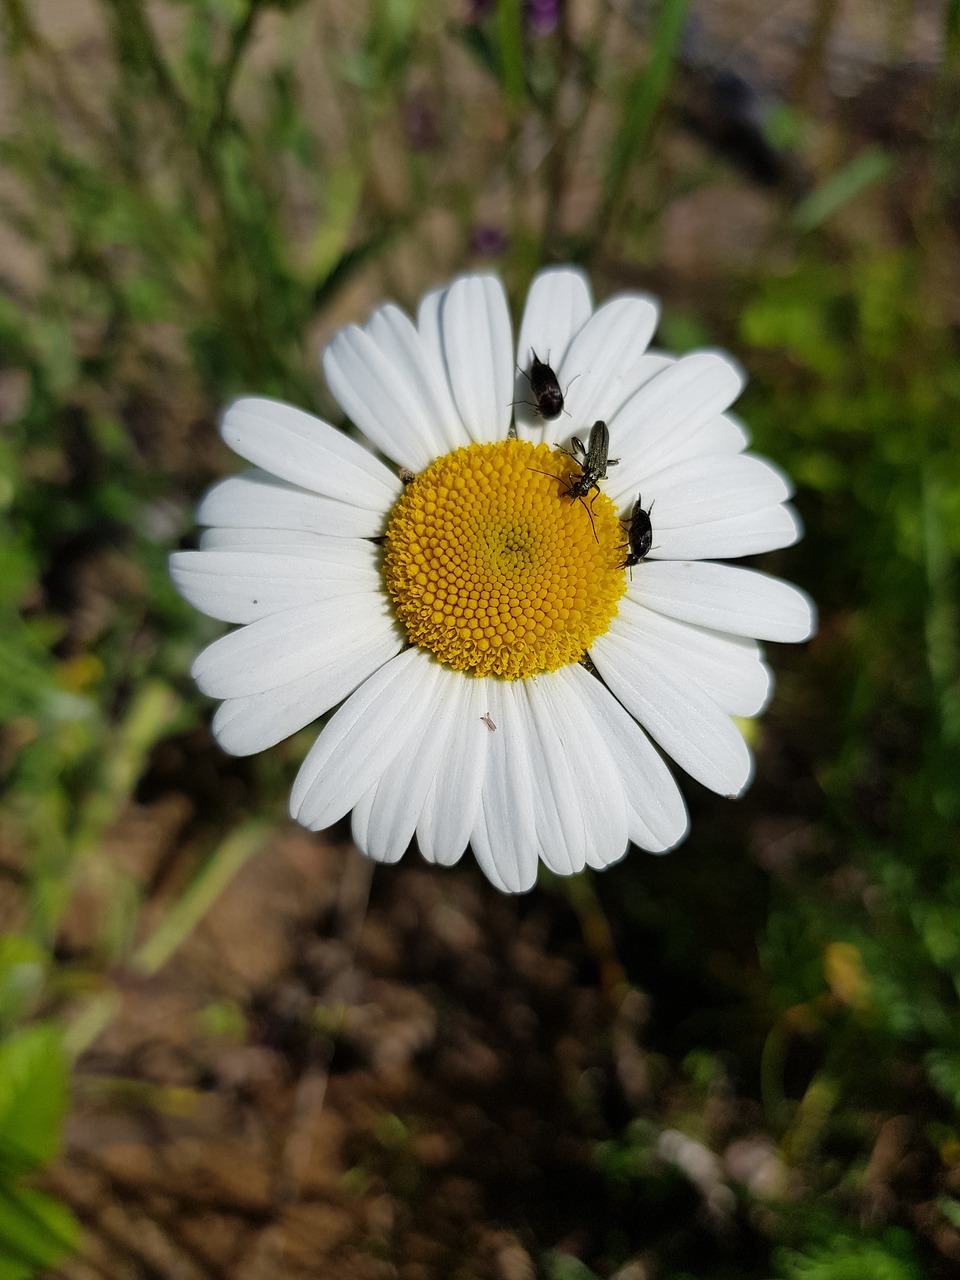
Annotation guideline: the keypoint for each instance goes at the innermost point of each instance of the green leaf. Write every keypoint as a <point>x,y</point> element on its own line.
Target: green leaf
<point>22,968</point>
<point>852,1258</point>
<point>481,47</point>
<point>12,1270</point>
<point>943,1069</point>
<point>563,1266</point>
<point>35,1231</point>
<point>33,1097</point>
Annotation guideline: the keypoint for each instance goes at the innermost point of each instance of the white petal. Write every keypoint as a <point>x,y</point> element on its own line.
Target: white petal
<point>609,345</point>
<point>559,817</point>
<point>256,539</point>
<point>686,722</point>
<point>728,668</point>
<point>254,500</point>
<point>291,544</point>
<point>723,434</point>
<point>451,808</point>
<point>654,427</point>
<point>483,852</point>
<point>237,587</point>
<point>424,370</point>
<point>387,383</point>
<point>361,739</point>
<point>375,394</point>
<point>243,726</point>
<point>734,426</point>
<point>306,451</point>
<point>404,787</point>
<point>714,488</point>
<point>656,813</point>
<point>633,376</point>
<point>600,800</point>
<point>504,837</point>
<point>478,354</point>
<point>726,598</point>
<point>360,822</point>
<point>744,535</point>
<point>428,324</point>
<point>284,646</point>
<point>558,305</point>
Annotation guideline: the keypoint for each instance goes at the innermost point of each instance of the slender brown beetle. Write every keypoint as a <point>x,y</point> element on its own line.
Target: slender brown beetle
<point>593,467</point>
<point>593,462</point>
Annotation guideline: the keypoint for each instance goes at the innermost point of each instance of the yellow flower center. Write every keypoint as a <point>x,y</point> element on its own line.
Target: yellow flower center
<point>495,569</point>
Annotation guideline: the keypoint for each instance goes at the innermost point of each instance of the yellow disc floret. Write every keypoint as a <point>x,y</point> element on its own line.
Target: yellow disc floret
<point>495,569</point>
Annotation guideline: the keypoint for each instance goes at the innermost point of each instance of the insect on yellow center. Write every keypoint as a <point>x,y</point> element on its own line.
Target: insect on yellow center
<point>494,569</point>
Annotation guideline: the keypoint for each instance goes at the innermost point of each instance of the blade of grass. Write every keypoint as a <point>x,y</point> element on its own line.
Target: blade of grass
<point>642,101</point>
<point>184,916</point>
<point>945,114</point>
<point>240,38</point>
<point>152,712</point>
<point>138,53</point>
<point>150,715</point>
<point>344,192</point>
<point>940,628</point>
<point>809,1119</point>
<point>863,171</point>
<point>354,259</point>
<point>91,1019</point>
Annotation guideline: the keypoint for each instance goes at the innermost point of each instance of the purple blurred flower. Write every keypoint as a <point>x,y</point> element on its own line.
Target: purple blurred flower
<point>487,241</point>
<point>421,121</point>
<point>543,16</point>
<point>477,10</point>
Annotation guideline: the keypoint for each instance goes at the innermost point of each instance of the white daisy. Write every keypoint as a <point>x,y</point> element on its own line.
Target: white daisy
<point>499,669</point>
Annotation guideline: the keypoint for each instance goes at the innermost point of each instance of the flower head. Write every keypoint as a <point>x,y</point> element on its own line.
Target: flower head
<point>506,620</point>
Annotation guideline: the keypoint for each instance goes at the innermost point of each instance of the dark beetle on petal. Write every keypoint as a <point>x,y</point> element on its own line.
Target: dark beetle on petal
<point>640,534</point>
<point>546,388</point>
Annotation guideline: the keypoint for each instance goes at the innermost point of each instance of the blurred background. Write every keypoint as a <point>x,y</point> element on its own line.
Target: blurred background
<point>224,1051</point>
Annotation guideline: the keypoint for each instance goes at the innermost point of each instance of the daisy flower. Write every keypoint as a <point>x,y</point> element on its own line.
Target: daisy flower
<point>502,622</point>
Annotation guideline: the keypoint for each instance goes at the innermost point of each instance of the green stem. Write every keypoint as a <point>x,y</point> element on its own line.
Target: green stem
<point>510,37</point>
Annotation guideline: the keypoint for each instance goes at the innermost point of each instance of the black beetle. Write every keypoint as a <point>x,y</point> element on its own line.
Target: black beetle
<point>639,534</point>
<point>546,388</point>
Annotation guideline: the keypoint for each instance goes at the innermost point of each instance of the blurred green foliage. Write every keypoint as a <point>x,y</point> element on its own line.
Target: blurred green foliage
<point>191,213</point>
<point>35,1230</point>
<point>850,1258</point>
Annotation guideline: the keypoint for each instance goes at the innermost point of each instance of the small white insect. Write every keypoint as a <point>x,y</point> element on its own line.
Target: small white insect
<point>489,723</point>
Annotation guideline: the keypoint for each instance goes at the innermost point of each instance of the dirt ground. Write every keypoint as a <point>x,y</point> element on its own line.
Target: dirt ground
<point>386,1088</point>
